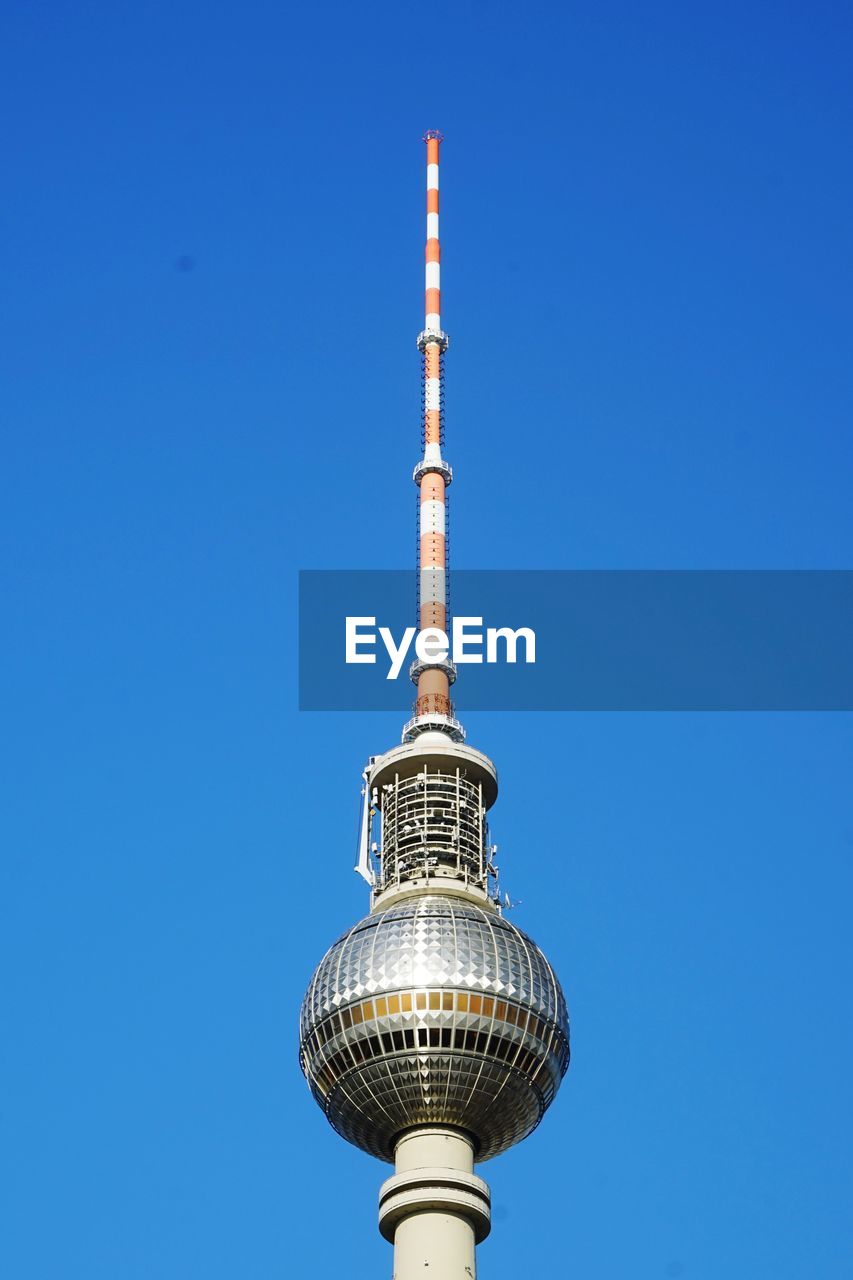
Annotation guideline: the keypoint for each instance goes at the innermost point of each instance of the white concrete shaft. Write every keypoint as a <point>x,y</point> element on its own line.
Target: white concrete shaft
<point>435,1209</point>
<point>434,1148</point>
<point>438,1245</point>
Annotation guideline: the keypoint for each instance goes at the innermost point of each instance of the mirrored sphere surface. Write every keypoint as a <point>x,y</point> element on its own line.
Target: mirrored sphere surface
<point>434,1011</point>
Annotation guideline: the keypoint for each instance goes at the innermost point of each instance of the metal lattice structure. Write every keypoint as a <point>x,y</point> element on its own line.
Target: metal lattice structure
<point>434,823</point>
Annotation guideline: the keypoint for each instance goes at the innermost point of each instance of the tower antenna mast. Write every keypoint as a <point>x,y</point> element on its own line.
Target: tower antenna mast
<point>433,708</point>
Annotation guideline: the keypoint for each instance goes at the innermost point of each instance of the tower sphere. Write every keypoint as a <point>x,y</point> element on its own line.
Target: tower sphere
<point>434,1011</point>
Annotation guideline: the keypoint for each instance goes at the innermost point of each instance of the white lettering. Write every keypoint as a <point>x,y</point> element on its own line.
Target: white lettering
<point>397,655</point>
<point>511,637</point>
<point>431,645</point>
<point>355,639</point>
<point>461,638</point>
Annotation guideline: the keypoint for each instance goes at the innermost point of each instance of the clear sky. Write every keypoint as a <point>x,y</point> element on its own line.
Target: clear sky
<point>212,266</point>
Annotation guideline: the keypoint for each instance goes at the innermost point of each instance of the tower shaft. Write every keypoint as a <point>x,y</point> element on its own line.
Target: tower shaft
<point>435,1209</point>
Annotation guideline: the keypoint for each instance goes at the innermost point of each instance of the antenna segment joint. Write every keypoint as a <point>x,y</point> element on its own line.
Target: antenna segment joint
<point>429,336</point>
<point>419,666</point>
<point>440,467</point>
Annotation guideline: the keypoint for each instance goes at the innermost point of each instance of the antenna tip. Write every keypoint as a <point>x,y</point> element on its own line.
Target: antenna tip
<point>433,135</point>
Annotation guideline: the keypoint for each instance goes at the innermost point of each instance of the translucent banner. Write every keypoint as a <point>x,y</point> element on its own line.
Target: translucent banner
<point>542,640</point>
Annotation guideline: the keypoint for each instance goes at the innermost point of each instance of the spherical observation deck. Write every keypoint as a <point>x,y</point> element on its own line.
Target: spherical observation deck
<point>434,1011</point>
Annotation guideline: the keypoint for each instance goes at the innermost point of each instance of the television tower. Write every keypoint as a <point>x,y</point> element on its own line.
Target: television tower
<point>434,1033</point>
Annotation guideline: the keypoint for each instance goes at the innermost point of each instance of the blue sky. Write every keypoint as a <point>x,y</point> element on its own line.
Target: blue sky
<point>212,244</point>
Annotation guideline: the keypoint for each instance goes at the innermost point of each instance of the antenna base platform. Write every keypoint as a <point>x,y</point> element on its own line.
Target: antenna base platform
<point>419,666</point>
<point>429,336</point>
<point>423,724</point>
<point>441,468</point>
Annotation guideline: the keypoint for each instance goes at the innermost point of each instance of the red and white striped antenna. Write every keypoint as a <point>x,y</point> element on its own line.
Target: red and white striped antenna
<point>433,708</point>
